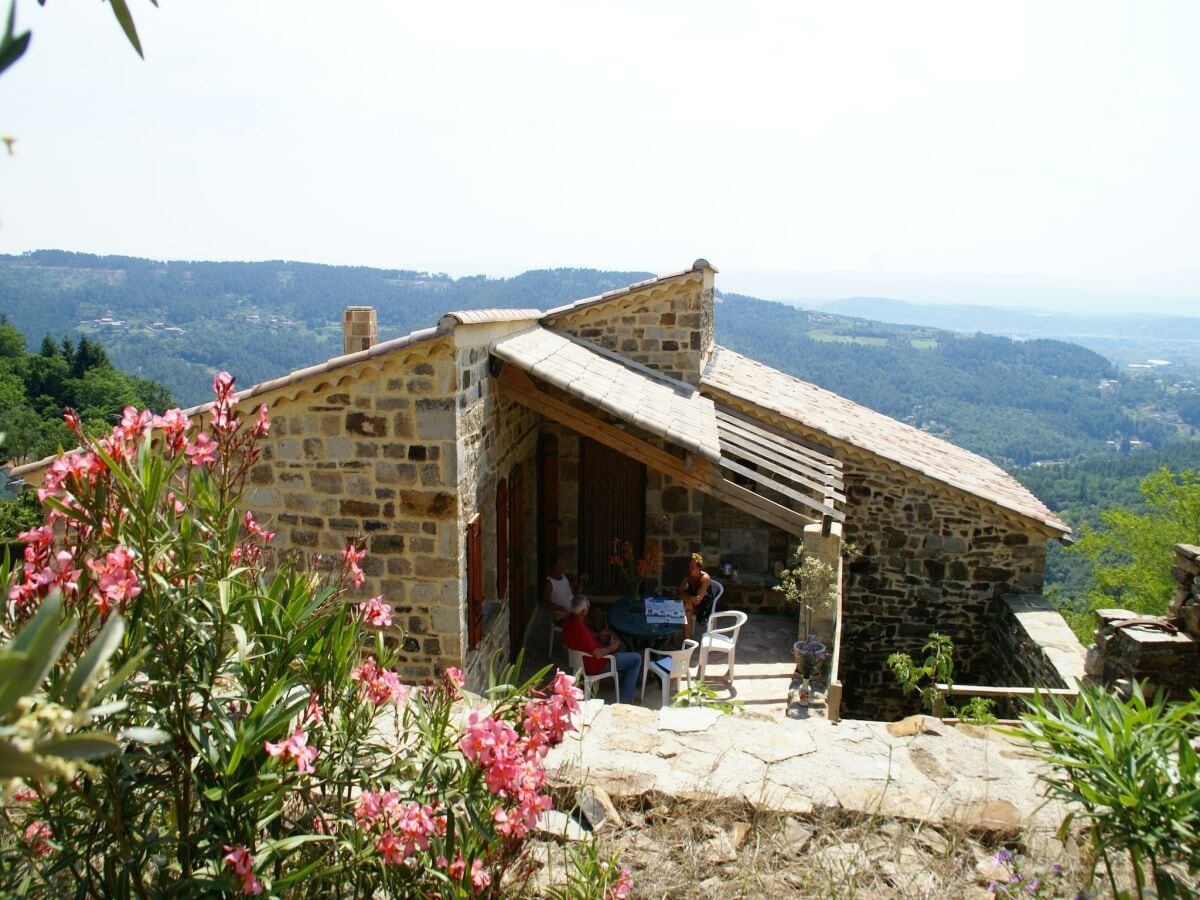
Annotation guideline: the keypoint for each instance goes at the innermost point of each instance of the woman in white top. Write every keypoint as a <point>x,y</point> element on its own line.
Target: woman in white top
<point>559,591</point>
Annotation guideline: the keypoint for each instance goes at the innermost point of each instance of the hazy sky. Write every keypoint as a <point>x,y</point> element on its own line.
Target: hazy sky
<point>1041,153</point>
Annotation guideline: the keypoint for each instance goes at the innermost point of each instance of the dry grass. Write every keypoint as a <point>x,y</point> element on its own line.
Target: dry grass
<point>718,849</point>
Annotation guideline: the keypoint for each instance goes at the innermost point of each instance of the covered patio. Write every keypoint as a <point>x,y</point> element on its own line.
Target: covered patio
<point>763,681</point>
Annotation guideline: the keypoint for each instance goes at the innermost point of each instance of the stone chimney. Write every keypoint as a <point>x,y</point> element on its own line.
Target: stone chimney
<point>358,328</point>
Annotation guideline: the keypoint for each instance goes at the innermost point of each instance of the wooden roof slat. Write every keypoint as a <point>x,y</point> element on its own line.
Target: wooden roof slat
<point>752,429</point>
<point>815,505</point>
<point>821,482</point>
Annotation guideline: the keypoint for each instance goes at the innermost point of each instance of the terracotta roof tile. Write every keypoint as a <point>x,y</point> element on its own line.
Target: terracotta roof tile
<point>660,405</point>
<point>698,266</point>
<point>484,316</point>
<point>843,419</point>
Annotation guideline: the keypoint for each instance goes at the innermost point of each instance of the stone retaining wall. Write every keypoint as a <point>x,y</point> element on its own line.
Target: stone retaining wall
<point>1155,654</point>
<point>1032,645</point>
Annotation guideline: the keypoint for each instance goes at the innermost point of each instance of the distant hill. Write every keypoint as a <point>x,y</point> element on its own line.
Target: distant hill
<point>1123,338</point>
<point>178,322</point>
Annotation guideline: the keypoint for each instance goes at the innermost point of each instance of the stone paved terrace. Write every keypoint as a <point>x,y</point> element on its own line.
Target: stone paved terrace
<point>954,777</point>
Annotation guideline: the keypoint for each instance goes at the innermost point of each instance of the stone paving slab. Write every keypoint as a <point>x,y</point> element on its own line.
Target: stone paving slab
<point>944,775</point>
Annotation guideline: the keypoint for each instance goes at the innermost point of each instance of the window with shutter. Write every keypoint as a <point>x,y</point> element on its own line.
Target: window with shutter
<point>501,539</point>
<point>474,582</point>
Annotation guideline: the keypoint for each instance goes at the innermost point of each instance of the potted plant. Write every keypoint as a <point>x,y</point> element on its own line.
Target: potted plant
<point>631,569</point>
<point>811,584</point>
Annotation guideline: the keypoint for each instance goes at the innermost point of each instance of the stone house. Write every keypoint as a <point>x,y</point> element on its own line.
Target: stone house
<point>462,454</point>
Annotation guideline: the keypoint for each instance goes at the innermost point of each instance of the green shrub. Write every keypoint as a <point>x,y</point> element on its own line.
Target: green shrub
<point>1130,768</point>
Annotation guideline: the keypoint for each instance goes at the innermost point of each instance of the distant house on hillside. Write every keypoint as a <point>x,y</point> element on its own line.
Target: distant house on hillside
<point>466,452</point>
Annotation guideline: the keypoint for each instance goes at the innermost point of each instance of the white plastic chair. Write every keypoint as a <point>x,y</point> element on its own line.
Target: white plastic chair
<point>717,590</point>
<point>575,660</point>
<point>555,628</point>
<point>722,639</point>
<point>669,666</point>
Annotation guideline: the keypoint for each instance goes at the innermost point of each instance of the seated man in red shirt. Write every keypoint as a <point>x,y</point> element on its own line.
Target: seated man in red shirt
<point>577,636</point>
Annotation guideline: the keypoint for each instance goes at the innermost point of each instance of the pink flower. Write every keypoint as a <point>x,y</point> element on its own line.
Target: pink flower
<point>263,425</point>
<point>295,748</point>
<point>223,384</point>
<point>36,836</point>
<point>376,612</point>
<point>72,420</point>
<point>202,451</point>
<point>382,685</point>
<point>239,859</point>
<point>479,878</point>
<point>619,889</point>
<point>116,580</point>
<point>353,557</point>
<point>455,676</point>
<point>257,530</point>
<point>313,714</point>
<point>174,425</point>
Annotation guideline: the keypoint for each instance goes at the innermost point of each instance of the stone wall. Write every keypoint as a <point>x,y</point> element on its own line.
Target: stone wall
<point>667,326</point>
<point>927,558</point>
<point>495,435</point>
<point>1159,658</point>
<point>674,515</point>
<point>1162,652</point>
<point>1032,645</point>
<point>751,590</point>
<point>370,455</point>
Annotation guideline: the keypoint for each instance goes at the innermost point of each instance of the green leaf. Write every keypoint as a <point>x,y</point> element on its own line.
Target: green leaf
<point>121,11</point>
<point>145,735</point>
<point>119,677</point>
<point>44,647</point>
<point>81,745</point>
<point>16,763</point>
<point>13,45</point>
<point>103,647</point>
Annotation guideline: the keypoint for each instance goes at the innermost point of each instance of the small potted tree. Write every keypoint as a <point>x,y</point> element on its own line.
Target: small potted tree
<point>811,584</point>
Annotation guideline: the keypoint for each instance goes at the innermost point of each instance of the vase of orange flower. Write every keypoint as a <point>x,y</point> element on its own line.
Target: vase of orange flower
<point>632,569</point>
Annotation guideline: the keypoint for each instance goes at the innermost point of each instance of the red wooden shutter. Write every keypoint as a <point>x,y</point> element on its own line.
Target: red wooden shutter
<point>474,582</point>
<point>501,539</point>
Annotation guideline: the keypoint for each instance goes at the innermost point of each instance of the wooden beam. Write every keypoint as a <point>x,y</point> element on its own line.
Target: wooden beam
<point>694,472</point>
<point>773,436</point>
<point>803,499</point>
<point>784,468</point>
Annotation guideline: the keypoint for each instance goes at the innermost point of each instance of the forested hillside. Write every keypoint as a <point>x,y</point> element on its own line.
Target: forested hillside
<point>1016,402</point>
<point>179,322</point>
<point>36,387</point>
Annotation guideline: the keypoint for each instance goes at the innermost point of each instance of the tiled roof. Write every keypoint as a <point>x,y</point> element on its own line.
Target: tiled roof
<point>655,403</point>
<point>844,420</point>
<point>484,316</point>
<point>698,266</point>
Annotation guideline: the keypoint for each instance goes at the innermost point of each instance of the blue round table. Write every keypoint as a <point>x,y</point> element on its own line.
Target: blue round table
<point>627,618</point>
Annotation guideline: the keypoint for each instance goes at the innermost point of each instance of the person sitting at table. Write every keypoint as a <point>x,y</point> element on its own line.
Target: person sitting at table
<point>696,593</point>
<point>577,636</point>
<point>559,591</point>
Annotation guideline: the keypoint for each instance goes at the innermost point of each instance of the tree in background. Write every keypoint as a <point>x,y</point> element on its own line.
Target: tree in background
<point>1130,553</point>
<point>35,388</point>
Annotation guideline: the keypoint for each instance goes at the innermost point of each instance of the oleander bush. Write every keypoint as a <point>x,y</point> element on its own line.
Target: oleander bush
<point>222,718</point>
